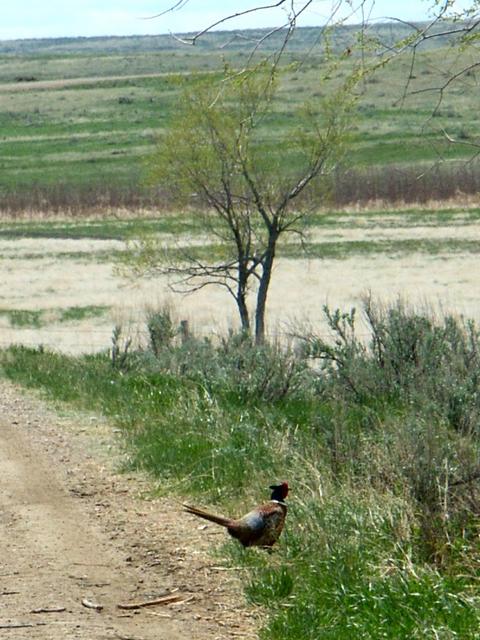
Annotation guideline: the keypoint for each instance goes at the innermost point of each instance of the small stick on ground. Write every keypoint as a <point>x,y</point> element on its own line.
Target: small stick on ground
<point>92,605</point>
<point>21,625</point>
<point>48,610</point>
<point>165,599</point>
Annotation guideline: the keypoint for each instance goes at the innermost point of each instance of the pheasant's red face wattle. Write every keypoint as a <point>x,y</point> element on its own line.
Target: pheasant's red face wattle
<point>284,486</point>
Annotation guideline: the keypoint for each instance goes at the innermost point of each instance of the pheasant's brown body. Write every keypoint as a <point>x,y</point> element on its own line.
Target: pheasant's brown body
<point>260,527</point>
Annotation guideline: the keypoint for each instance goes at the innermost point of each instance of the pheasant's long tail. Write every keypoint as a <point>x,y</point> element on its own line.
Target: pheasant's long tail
<point>224,522</point>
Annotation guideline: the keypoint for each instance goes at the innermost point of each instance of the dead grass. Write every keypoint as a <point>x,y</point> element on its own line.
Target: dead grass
<point>37,274</point>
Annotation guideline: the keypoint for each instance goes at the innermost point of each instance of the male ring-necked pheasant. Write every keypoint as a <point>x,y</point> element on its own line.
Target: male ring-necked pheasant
<point>260,527</point>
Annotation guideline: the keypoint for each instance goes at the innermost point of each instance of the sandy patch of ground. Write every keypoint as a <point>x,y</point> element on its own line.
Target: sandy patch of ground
<point>26,247</point>
<point>38,85</point>
<point>299,290</point>
<point>447,232</point>
<point>439,283</point>
<point>71,528</point>
<point>38,274</point>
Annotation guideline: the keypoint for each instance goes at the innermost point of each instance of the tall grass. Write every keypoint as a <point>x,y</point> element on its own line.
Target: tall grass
<point>378,439</point>
<point>77,199</point>
<point>417,183</point>
<point>395,183</point>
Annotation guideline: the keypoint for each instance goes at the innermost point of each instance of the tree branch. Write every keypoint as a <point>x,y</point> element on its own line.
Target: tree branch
<point>231,16</point>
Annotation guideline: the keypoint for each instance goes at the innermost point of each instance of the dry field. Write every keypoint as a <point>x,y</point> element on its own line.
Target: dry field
<point>50,275</point>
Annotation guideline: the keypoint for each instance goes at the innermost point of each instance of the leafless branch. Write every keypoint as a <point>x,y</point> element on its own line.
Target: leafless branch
<point>449,81</point>
<point>223,20</point>
<point>173,7</point>
<point>289,26</point>
<point>190,279</point>
<point>168,598</point>
<point>428,33</point>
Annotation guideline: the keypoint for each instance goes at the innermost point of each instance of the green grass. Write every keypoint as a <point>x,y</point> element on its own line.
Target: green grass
<point>40,317</point>
<point>190,225</point>
<point>76,314</point>
<point>104,228</point>
<point>98,132</point>
<point>367,552</point>
<point>23,317</point>
<point>394,247</point>
<point>356,584</point>
<point>327,250</point>
<point>393,218</point>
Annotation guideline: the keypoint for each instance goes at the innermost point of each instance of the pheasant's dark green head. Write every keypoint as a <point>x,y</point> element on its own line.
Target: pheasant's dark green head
<point>279,491</point>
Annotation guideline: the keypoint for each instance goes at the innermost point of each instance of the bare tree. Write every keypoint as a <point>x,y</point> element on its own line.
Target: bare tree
<point>215,151</point>
<point>244,189</point>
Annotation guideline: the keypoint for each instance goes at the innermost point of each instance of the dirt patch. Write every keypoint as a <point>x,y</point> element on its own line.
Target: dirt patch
<point>39,85</point>
<point>420,232</point>
<point>72,528</point>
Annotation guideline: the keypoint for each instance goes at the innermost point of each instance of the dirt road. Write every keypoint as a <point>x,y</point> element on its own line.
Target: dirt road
<point>73,530</point>
<point>39,85</point>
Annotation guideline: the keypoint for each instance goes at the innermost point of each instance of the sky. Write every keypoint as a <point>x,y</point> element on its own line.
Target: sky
<point>61,18</point>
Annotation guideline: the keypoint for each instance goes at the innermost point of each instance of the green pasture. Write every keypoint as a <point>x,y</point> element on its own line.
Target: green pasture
<point>36,318</point>
<point>99,130</point>
<point>186,226</point>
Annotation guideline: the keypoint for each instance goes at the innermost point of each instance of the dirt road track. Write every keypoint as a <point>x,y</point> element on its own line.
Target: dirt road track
<point>41,85</point>
<point>72,529</point>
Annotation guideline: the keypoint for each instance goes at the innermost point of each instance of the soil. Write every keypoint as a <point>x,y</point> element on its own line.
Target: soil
<point>38,85</point>
<point>74,532</point>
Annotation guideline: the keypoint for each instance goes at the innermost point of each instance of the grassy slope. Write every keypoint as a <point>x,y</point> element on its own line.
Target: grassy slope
<point>99,132</point>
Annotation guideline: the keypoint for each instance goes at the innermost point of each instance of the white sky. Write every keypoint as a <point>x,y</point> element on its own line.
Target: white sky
<point>60,18</point>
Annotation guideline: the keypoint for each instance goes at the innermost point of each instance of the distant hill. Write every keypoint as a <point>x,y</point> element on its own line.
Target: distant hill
<point>304,38</point>
<point>79,116</point>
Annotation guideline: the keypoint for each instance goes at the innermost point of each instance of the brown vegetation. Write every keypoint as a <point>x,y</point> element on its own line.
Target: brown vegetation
<point>392,185</point>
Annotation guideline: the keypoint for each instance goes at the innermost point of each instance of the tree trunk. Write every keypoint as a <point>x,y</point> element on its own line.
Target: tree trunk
<point>267,265</point>
<point>241,298</point>
<point>244,315</point>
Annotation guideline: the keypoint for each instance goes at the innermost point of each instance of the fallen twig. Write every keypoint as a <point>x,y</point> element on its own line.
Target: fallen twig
<point>187,599</point>
<point>48,610</point>
<point>92,605</point>
<point>165,599</point>
<point>21,625</point>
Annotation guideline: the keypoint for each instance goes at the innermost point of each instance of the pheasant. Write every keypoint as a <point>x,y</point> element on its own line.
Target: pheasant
<point>260,527</point>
